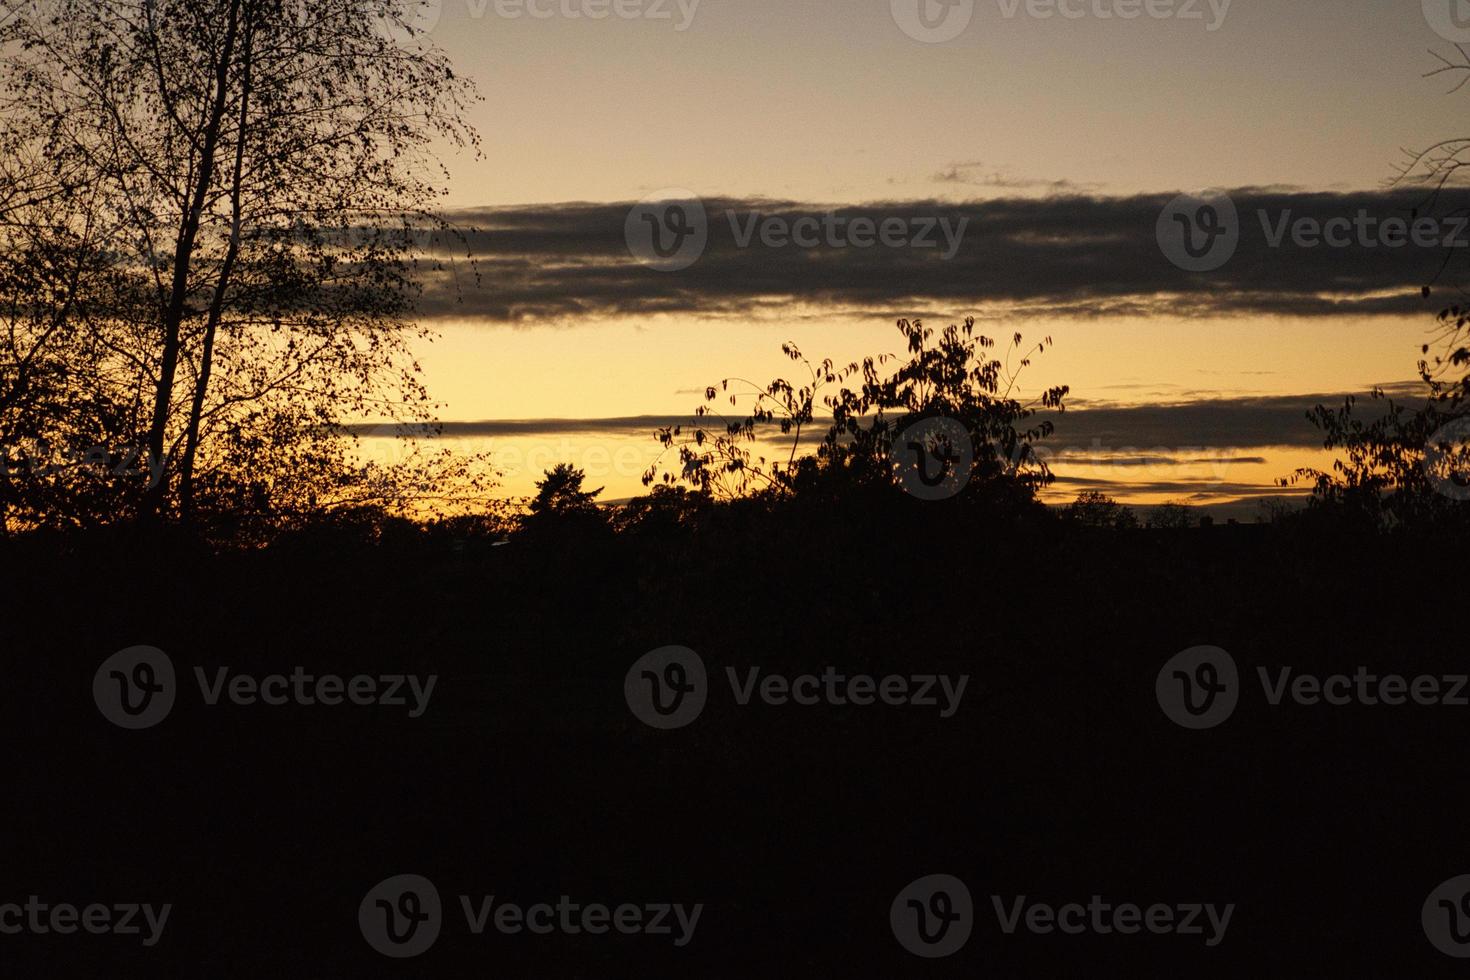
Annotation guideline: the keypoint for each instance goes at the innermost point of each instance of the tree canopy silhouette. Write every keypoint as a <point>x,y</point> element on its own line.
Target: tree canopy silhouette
<point>951,375</point>
<point>214,210</point>
<point>1409,466</point>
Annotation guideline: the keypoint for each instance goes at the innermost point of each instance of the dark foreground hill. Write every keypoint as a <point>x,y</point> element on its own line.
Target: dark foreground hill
<point>1320,829</point>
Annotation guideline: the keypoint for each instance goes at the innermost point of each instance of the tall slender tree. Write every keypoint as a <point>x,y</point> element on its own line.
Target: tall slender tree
<point>269,167</point>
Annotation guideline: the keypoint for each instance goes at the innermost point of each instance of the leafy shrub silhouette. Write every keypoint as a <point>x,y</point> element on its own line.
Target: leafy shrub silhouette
<point>951,375</point>
<point>1170,516</point>
<point>1394,467</point>
<point>1095,509</point>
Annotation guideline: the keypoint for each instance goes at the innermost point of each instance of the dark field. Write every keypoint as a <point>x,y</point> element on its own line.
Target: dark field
<point>528,778</point>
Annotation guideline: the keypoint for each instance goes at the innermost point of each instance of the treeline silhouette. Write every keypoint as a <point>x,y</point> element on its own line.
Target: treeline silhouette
<point>530,778</point>
<point>1400,471</point>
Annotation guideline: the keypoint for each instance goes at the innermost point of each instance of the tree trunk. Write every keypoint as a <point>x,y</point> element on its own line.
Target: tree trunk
<point>173,315</point>
<point>216,306</point>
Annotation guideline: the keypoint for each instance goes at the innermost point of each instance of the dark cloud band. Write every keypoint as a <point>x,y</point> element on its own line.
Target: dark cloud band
<point>1189,429</point>
<point>1069,256</point>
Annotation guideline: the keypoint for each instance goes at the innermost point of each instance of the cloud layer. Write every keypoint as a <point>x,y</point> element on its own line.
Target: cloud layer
<point>1182,432</point>
<point>1071,255</point>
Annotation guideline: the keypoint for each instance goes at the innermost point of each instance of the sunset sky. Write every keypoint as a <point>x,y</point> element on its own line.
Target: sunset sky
<point>1058,140</point>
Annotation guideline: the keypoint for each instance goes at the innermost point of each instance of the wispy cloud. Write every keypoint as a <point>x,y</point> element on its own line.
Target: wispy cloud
<point>976,173</point>
<point>1183,432</point>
